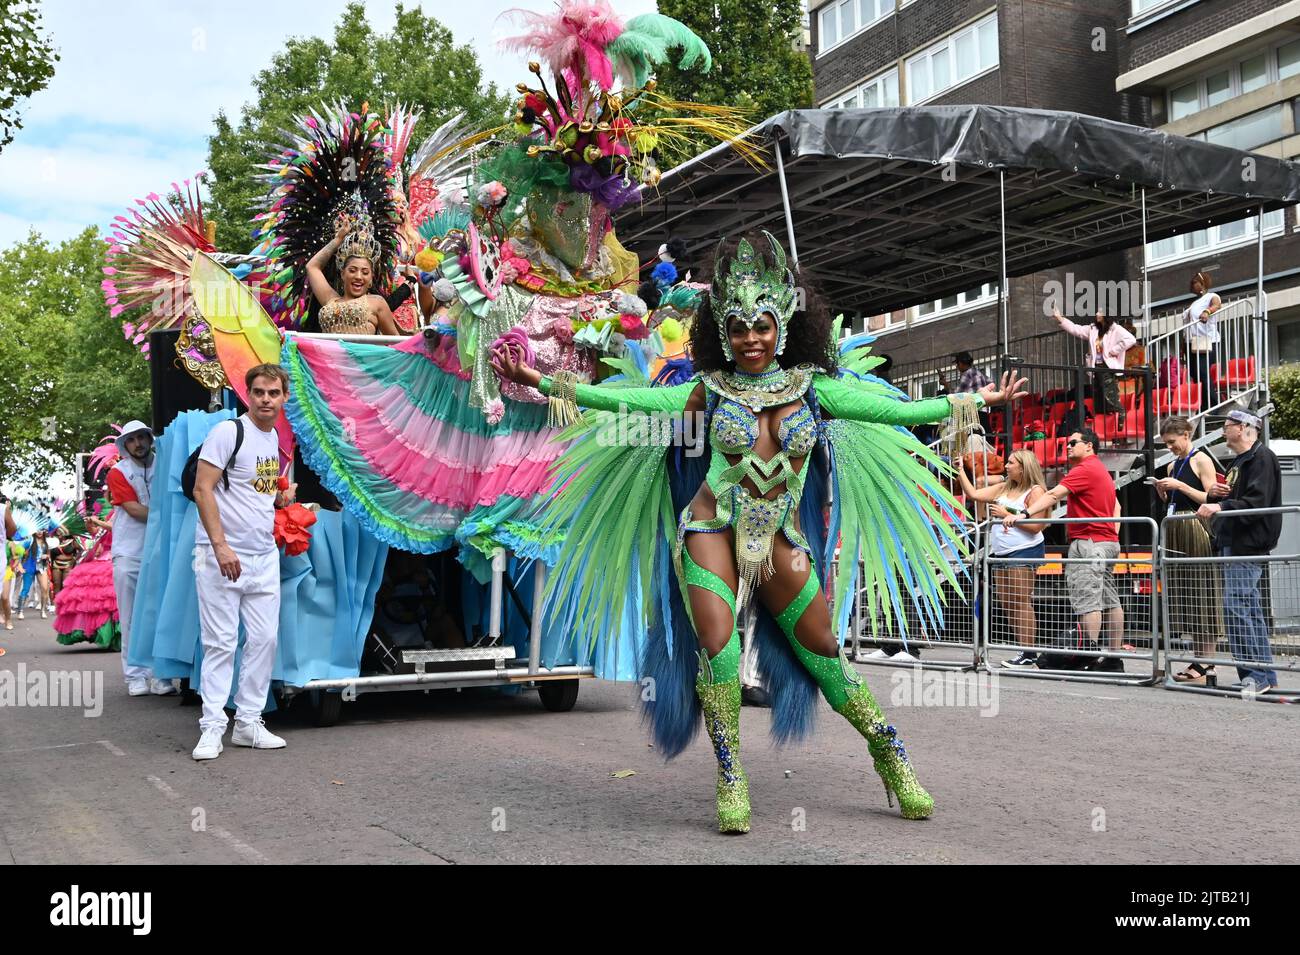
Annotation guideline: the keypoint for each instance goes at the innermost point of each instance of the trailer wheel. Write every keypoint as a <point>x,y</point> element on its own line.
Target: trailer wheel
<point>558,696</point>
<point>326,707</point>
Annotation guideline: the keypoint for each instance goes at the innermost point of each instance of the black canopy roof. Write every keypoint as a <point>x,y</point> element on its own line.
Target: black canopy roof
<point>895,207</point>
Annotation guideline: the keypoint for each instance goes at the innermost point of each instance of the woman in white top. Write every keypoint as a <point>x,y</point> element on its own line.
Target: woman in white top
<point>1023,486</point>
<point>1202,330</point>
<point>1108,343</point>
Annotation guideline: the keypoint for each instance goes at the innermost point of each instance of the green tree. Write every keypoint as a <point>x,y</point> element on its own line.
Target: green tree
<point>1284,390</point>
<point>66,371</point>
<point>757,61</point>
<point>26,61</point>
<point>418,64</point>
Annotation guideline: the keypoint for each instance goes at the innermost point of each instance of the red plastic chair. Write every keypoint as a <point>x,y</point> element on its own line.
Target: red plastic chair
<point>1107,426</point>
<point>1059,411</point>
<point>1055,455</point>
<point>1050,452</point>
<point>1239,373</point>
<point>1135,424</point>
<point>1186,397</point>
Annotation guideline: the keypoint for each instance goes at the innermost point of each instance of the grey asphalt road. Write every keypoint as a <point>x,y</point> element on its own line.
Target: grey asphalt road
<point>1061,773</point>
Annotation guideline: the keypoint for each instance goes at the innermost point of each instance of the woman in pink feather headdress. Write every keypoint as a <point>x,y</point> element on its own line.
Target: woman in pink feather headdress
<point>86,606</point>
<point>86,610</point>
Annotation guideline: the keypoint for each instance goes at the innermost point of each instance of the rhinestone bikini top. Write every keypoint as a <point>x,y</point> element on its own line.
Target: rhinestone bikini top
<point>346,316</point>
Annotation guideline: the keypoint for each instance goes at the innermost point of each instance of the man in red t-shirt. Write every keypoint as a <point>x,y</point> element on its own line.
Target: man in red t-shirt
<point>1094,547</point>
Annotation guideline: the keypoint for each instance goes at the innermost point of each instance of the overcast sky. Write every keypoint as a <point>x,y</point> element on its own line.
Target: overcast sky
<point>132,100</point>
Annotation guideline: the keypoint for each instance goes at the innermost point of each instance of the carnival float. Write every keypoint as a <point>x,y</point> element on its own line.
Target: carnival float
<point>408,448</point>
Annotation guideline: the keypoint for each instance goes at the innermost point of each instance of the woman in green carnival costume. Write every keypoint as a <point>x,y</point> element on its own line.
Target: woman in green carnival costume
<point>781,413</point>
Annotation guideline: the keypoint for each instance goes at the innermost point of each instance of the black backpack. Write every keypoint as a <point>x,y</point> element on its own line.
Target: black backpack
<point>191,470</point>
<point>1061,657</point>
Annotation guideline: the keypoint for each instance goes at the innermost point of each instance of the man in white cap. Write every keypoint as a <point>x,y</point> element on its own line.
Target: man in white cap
<point>129,487</point>
<point>1254,482</point>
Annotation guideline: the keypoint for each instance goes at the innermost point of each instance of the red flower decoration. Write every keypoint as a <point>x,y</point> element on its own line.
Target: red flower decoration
<point>291,525</point>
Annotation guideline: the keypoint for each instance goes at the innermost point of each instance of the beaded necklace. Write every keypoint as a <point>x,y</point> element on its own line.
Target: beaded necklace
<point>770,388</point>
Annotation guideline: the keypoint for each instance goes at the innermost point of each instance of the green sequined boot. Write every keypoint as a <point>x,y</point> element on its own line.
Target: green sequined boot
<point>721,704</point>
<point>887,753</point>
<point>849,697</point>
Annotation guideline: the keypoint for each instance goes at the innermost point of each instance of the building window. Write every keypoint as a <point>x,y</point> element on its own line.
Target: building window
<point>1288,59</point>
<point>880,90</point>
<point>886,322</point>
<point>842,19</point>
<point>1245,76</point>
<point>1184,101</point>
<point>986,293</point>
<point>1142,6</point>
<point>1250,131</point>
<point>953,60</point>
<point>1254,73</point>
<point>1193,244</point>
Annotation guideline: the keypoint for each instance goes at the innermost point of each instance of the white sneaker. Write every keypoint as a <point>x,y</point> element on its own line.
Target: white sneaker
<point>256,735</point>
<point>20,615</point>
<point>209,744</point>
<point>44,614</point>
<point>138,687</point>
<point>877,655</point>
<point>905,657</point>
<point>161,687</point>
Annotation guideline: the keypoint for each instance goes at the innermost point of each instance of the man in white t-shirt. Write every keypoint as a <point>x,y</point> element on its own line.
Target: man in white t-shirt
<point>130,484</point>
<point>237,563</point>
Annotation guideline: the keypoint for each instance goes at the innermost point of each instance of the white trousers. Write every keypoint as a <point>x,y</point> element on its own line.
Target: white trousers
<point>126,574</point>
<point>255,599</point>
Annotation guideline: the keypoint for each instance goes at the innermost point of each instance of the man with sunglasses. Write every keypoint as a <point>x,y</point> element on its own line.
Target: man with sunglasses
<point>1254,481</point>
<point>1089,492</point>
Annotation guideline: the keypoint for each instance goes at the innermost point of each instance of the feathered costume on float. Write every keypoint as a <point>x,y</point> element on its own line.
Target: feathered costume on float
<point>420,442</point>
<point>338,165</point>
<point>623,502</point>
<point>86,608</point>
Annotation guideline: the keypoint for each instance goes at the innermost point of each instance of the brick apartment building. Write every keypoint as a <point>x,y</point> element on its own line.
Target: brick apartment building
<point>1226,71</point>
<point>1147,62</point>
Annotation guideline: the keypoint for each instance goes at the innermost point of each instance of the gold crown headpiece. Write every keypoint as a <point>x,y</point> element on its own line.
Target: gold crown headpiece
<point>360,242</point>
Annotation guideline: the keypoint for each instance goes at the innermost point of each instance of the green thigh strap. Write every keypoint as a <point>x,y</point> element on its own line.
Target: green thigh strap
<point>789,617</point>
<point>835,677</point>
<point>724,667</point>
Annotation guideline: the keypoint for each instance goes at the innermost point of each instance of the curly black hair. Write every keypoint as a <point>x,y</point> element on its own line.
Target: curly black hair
<point>808,337</point>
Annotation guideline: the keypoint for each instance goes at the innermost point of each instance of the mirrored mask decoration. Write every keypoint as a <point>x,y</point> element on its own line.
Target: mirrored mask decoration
<point>485,262</point>
<point>198,352</point>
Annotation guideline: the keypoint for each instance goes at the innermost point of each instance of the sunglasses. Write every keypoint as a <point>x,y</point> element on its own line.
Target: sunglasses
<point>1073,441</point>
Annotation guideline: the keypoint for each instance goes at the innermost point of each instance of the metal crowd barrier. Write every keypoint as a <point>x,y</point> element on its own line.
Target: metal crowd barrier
<point>1237,614</point>
<point>1027,605</point>
<point>953,643</point>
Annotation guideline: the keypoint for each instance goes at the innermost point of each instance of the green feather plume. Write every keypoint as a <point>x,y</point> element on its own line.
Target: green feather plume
<point>646,40</point>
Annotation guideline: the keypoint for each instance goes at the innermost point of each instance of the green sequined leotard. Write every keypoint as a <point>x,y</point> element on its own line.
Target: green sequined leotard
<point>733,431</point>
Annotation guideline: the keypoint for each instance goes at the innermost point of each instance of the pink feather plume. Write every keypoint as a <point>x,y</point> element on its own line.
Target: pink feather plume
<point>573,37</point>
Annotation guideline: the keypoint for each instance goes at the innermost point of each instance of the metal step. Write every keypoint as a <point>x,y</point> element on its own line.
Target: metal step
<point>421,658</point>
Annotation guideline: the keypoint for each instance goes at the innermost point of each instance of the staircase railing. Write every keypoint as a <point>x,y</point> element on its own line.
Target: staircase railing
<point>1234,370</point>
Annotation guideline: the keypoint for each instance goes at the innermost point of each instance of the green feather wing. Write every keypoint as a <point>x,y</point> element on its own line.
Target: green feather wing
<point>614,508</point>
<point>894,516</point>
